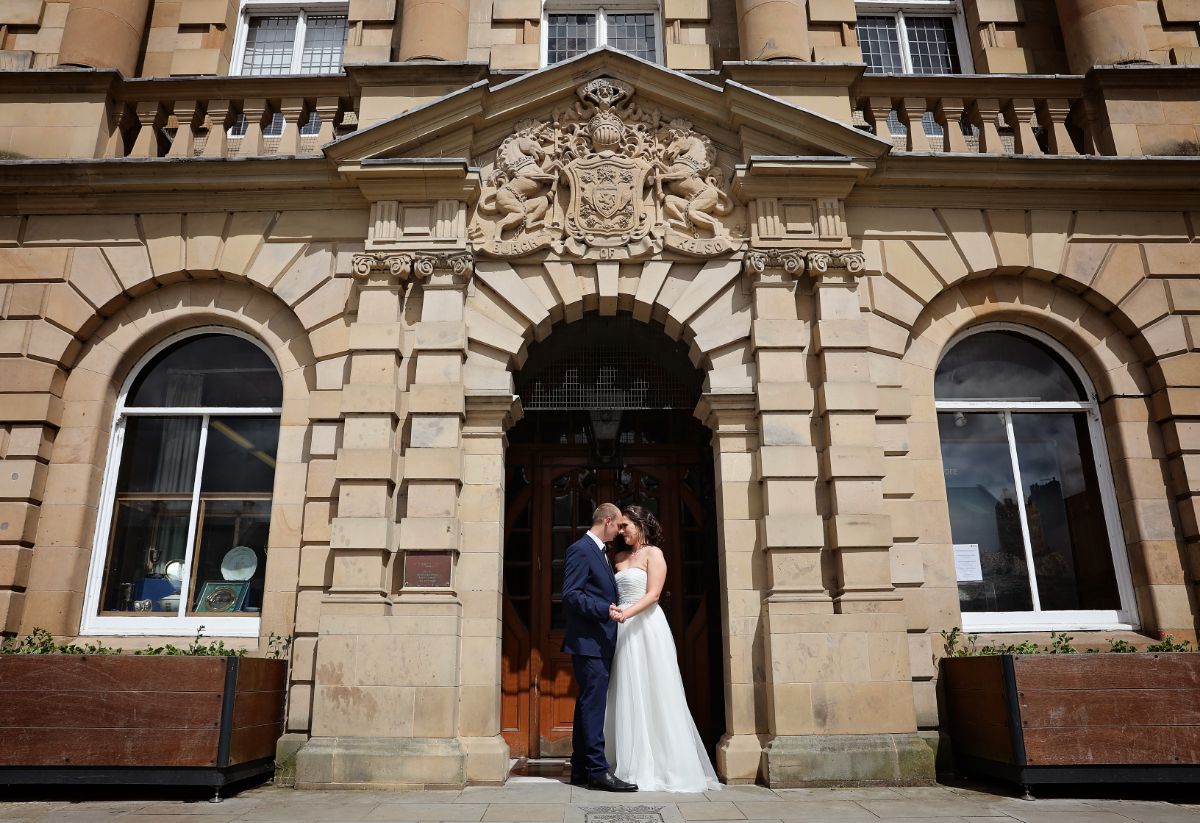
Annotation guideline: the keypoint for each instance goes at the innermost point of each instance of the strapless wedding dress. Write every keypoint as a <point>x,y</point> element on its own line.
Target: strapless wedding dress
<point>650,737</point>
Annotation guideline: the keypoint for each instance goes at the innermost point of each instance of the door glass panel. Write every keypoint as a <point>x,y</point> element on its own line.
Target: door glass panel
<point>1072,558</point>
<point>980,490</point>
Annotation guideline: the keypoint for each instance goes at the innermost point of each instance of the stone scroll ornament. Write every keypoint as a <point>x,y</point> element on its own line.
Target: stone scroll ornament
<point>604,179</point>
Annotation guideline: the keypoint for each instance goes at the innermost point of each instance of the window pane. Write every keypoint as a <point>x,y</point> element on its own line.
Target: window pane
<point>633,33</point>
<point>150,517</point>
<point>984,510</point>
<point>324,42</point>
<point>208,370</point>
<point>1072,558</point>
<point>145,561</point>
<point>1000,365</point>
<point>240,455</point>
<point>159,455</point>
<point>269,44</point>
<point>568,35</point>
<point>231,556</point>
<point>879,39</point>
<point>931,45</point>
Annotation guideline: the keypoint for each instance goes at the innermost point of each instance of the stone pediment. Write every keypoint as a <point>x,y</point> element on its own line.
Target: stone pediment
<point>735,116</point>
<point>606,157</point>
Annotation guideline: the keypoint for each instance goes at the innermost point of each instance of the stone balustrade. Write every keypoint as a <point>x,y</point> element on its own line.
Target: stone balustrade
<point>229,117</point>
<point>984,114</point>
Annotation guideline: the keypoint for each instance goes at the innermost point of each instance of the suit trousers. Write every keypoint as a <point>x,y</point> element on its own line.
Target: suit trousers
<point>587,737</point>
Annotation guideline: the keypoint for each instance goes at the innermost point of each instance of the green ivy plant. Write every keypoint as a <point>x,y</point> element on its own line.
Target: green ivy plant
<point>967,645</point>
<point>40,641</point>
<point>197,648</point>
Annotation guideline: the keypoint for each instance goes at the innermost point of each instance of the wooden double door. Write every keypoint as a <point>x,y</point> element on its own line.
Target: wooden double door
<point>551,493</point>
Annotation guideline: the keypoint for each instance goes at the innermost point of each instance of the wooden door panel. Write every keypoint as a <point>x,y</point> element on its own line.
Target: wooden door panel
<point>539,691</point>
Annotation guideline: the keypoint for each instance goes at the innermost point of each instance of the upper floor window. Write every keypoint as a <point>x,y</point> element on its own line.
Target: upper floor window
<point>914,37</point>
<point>1033,515</point>
<point>291,38</point>
<point>181,540</point>
<point>571,31</point>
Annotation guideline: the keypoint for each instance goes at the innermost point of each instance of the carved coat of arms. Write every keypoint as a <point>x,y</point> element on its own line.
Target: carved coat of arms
<point>603,179</point>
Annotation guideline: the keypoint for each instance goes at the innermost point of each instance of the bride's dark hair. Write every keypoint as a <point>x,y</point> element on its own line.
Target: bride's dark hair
<point>645,520</point>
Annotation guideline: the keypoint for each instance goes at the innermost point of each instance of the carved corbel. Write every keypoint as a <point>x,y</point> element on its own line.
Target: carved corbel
<point>791,261</point>
<point>821,262</point>
<point>421,265</point>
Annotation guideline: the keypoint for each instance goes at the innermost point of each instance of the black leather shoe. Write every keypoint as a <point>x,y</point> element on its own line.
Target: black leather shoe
<point>579,779</point>
<point>607,783</point>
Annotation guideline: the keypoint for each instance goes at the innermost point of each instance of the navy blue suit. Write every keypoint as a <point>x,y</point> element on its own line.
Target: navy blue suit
<point>591,639</point>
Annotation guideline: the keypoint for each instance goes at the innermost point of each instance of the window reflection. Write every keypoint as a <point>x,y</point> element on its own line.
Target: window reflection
<point>1027,518</point>
<point>1000,365</point>
<point>173,549</point>
<point>980,489</point>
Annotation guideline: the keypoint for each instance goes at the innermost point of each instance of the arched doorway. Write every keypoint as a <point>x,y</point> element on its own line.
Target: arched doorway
<point>608,417</point>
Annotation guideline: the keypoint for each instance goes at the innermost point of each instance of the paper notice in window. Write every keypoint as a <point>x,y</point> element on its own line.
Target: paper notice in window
<point>966,563</point>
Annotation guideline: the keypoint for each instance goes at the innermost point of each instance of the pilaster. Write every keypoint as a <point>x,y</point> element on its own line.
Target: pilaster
<point>734,424</point>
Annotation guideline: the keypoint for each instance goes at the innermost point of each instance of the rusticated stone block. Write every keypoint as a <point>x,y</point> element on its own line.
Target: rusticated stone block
<point>848,760</point>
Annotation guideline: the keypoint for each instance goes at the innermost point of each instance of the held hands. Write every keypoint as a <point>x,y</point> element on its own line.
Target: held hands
<point>615,614</point>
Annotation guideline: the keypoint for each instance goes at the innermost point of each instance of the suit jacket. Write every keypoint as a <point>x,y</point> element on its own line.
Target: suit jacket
<point>589,586</point>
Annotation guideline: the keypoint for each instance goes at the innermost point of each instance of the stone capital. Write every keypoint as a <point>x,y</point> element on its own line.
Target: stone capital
<point>779,266</point>
<point>437,269</point>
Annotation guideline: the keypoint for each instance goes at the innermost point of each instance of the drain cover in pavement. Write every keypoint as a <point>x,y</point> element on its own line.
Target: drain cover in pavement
<point>623,814</point>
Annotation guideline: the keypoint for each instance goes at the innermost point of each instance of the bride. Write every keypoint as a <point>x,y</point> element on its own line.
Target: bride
<point>649,732</point>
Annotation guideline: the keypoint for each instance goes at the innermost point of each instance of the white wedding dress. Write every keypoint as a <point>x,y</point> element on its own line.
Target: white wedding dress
<point>650,737</point>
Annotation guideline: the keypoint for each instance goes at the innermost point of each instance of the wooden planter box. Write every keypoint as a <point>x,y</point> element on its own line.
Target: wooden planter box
<point>1036,719</point>
<point>197,721</point>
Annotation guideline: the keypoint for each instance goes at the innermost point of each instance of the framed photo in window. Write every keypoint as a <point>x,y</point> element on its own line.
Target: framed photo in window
<point>222,596</point>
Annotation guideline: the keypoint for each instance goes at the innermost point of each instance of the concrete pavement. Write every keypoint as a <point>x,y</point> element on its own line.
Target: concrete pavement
<point>543,800</point>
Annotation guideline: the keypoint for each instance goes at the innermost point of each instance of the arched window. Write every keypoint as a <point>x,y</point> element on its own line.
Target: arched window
<point>182,534</point>
<point>1037,539</point>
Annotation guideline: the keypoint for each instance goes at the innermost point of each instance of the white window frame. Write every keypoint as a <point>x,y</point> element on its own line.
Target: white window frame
<point>270,8</point>
<point>922,8</point>
<point>1124,618</point>
<point>92,622</point>
<point>601,10</point>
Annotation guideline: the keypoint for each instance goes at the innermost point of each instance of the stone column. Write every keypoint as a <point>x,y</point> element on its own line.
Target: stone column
<point>846,712</point>
<point>773,29</point>
<point>732,419</point>
<point>1102,33</point>
<point>434,30</point>
<point>104,34</point>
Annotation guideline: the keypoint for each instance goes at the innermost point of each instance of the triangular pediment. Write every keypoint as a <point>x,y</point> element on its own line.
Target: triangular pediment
<point>740,121</point>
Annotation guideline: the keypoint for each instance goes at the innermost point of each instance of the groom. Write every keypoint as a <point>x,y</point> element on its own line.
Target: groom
<point>589,596</point>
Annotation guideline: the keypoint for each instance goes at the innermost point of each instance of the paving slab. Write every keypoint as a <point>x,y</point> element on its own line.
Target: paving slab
<point>544,800</point>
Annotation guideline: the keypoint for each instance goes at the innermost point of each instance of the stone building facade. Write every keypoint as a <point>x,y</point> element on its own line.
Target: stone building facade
<point>332,320</point>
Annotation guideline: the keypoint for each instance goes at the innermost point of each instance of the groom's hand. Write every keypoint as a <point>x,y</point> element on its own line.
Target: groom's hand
<point>614,613</point>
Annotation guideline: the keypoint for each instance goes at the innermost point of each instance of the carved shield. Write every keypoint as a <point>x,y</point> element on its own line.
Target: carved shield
<point>606,196</point>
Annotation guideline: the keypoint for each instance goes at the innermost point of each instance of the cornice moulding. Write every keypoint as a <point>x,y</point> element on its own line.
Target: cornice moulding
<point>792,73</point>
<point>59,81</point>
<point>417,72</point>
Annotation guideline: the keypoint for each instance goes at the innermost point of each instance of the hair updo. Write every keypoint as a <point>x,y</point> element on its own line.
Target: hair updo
<point>647,523</point>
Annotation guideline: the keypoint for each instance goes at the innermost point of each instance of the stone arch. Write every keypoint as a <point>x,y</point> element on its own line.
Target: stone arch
<point>700,303</point>
<point>75,475</point>
<point>1124,387</point>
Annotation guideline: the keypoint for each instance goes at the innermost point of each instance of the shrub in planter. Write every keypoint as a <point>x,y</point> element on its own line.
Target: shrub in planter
<point>196,715</point>
<point>1052,715</point>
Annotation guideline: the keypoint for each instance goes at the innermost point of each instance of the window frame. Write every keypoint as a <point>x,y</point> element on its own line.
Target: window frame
<point>921,8</point>
<point>92,622</point>
<point>602,11</point>
<point>1124,618</point>
<point>271,8</point>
